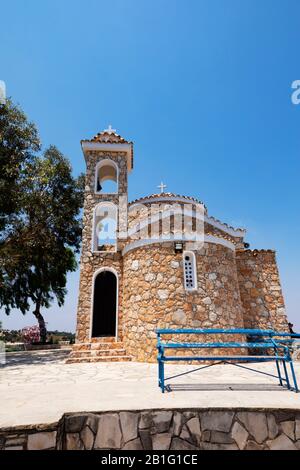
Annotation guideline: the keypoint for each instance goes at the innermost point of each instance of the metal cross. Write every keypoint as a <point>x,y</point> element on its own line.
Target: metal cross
<point>162,186</point>
<point>110,130</point>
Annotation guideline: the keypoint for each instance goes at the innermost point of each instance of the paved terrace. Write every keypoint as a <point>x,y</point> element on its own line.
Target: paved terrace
<point>38,387</point>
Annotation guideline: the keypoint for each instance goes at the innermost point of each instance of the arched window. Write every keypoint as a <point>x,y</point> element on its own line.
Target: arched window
<point>189,270</point>
<point>105,227</point>
<point>106,177</point>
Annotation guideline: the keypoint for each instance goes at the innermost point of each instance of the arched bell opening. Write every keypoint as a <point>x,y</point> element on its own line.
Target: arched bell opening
<point>106,178</point>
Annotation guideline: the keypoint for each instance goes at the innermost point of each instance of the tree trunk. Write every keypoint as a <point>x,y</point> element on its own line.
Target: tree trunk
<point>41,322</point>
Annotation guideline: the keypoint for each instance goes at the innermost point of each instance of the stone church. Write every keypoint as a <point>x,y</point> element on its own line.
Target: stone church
<point>140,270</point>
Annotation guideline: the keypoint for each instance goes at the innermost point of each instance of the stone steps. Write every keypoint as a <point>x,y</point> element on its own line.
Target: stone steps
<point>97,346</point>
<point>73,360</point>
<point>99,351</point>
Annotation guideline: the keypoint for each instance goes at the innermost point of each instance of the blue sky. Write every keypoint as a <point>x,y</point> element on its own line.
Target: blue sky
<point>202,87</point>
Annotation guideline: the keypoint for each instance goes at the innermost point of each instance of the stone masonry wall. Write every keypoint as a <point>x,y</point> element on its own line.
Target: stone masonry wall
<point>261,290</point>
<point>188,430</point>
<point>91,262</point>
<point>154,295</point>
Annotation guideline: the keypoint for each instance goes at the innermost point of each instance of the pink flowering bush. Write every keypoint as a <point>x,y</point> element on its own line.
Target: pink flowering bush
<point>31,334</point>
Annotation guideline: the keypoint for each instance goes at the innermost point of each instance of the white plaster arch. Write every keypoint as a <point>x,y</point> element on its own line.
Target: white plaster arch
<point>94,227</point>
<point>98,271</point>
<point>207,239</point>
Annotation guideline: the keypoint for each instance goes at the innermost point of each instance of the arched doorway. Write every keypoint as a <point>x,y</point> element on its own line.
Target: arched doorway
<point>105,304</point>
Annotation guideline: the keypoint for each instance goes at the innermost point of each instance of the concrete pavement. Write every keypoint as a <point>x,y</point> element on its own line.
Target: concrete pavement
<point>38,388</point>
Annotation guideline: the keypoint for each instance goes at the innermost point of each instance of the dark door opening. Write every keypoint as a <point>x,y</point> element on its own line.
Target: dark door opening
<point>105,304</point>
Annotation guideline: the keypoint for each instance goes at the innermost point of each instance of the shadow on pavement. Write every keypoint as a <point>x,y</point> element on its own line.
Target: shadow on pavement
<point>35,358</point>
<point>226,387</point>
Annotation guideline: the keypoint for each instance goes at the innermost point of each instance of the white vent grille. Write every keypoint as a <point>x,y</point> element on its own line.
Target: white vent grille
<point>190,273</point>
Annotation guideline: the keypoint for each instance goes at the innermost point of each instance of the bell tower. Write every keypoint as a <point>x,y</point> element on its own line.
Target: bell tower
<point>109,159</point>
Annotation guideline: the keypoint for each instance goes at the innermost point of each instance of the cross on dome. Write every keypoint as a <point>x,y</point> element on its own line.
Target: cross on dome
<point>110,130</point>
<point>162,186</point>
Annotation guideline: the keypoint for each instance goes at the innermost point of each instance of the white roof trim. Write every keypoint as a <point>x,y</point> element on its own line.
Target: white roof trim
<point>107,147</point>
<point>209,220</point>
<point>166,199</point>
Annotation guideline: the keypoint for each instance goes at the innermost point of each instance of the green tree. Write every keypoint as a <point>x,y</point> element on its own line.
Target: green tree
<point>19,142</point>
<point>40,243</point>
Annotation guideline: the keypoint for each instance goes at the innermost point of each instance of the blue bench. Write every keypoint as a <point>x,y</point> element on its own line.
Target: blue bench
<point>261,340</point>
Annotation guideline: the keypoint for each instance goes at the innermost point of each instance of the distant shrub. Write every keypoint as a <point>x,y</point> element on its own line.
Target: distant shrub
<point>31,334</point>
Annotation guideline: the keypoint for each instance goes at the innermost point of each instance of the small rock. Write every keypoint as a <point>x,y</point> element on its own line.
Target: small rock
<point>92,422</point>
<point>174,264</point>
<point>255,423</point>
<point>297,429</point>
<point>129,425</point>
<point>179,317</point>
<point>179,444</point>
<point>281,442</point>
<point>212,316</point>
<point>221,437</point>
<point>206,436</point>
<point>272,426</point>
<point>74,423</point>
<point>212,276</point>
<point>252,445</point>
<point>87,437</point>
<point>288,427</point>
<point>146,439</point>
<point>145,420</point>
<point>216,420</point>
<point>135,265</point>
<point>177,423</point>
<point>161,441</point>
<point>185,435</point>
<point>73,442</point>
<point>161,420</point>
<point>41,440</point>
<point>162,294</point>
<point>135,444</point>
<point>240,435</point>
<point>193,426</point>
<point>109,433</point>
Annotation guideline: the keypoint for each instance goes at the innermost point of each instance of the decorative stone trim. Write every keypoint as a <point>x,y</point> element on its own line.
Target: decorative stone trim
<point>182,429</point>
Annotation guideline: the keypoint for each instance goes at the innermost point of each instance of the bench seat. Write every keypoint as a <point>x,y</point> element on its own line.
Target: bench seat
<point>262,345</point>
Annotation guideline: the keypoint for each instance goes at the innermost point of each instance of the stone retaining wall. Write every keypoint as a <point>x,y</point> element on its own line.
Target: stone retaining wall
<point>207,429</point>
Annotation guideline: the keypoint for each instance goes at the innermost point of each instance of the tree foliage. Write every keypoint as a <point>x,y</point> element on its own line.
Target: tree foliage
<point>42,234</point>
<point>19,141</point>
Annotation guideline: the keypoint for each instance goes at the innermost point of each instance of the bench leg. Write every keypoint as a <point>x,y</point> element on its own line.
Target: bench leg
<point>294,376</point>
<point>279,372</point>
<point>286,375</point>
<point>161,375</point>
